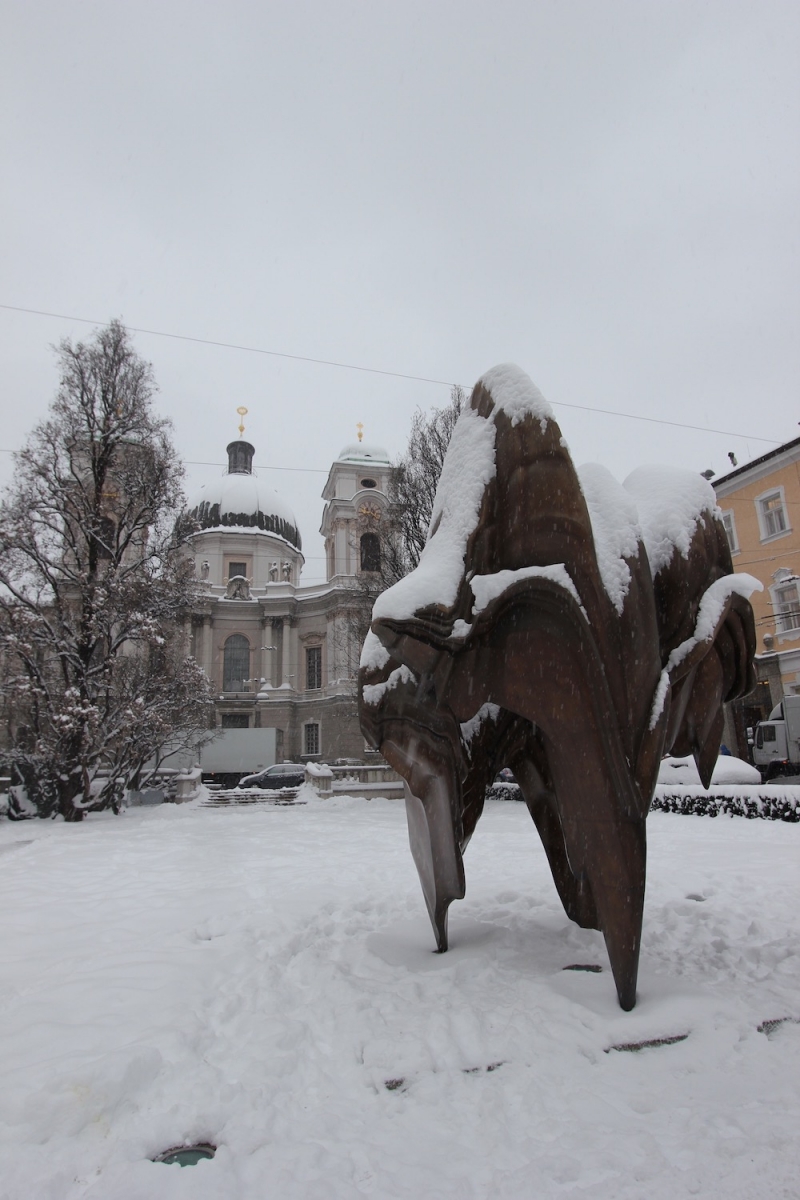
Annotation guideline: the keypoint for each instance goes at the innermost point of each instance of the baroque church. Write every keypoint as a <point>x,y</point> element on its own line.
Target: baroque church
<point>282,656</point>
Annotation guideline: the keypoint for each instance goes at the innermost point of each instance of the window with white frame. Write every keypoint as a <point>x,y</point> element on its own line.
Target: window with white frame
<point>771,510</point>
<point>787,605</point>
<point>730,529</point>
<point>311,738</point>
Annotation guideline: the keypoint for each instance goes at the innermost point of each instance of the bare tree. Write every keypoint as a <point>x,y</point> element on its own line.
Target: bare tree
<point>415,478</point>
<point>94,587</point>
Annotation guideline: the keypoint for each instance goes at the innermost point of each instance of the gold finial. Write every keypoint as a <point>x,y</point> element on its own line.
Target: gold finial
<point>360,428</point>
<point>242,411</point>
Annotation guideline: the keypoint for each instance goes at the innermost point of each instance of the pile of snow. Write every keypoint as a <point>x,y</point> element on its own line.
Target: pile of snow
<point>264,980</point>
<point>726,770</point>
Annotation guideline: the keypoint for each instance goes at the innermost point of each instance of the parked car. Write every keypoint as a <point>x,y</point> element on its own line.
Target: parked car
<point>727,770</point>
<point>282,775</point>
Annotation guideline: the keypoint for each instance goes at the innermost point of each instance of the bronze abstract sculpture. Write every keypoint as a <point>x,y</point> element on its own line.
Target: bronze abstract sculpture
<point>565,626</point>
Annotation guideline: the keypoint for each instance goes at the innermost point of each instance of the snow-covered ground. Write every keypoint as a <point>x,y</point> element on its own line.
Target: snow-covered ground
<point>263,979</point>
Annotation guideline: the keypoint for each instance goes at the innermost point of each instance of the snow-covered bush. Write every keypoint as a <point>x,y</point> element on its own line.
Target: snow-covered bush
<point>767,803</point>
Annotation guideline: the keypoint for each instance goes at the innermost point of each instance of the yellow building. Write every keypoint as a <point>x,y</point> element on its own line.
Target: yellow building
<point>760,505</point>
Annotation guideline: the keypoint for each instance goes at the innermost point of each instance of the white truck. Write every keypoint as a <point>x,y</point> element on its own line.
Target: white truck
<point>237,752</point>
<point>776,746</point>
<point>229,755</point>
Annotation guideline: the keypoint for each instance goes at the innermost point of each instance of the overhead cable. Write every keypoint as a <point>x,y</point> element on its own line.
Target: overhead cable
<point>345,366</point>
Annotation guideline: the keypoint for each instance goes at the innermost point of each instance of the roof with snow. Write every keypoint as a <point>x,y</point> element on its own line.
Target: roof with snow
<point>784,448</point>
<point>360,452</point>
<point>240,500</point>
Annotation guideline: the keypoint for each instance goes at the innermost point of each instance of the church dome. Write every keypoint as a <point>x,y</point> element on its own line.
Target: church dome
<point>361,452</point>
<point>240,500</point>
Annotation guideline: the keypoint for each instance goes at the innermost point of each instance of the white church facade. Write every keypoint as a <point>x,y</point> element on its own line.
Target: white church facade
<point>282,656</point>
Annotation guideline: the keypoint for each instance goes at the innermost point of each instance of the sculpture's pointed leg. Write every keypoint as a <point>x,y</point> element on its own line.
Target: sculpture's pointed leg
<point>436,853</point>
<point>430,781</point>
<point>616,866</point>
<point>574,891</point>
<point>603,823</point>
<point>706,752</point>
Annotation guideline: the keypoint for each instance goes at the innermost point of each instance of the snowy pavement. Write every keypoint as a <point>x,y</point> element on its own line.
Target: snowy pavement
<point>263,979</point>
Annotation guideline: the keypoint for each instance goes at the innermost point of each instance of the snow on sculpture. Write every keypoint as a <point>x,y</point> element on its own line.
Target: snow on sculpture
<point>567,627</point>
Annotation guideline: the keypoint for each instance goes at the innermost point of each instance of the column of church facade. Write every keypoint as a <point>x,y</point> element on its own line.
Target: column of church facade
<point>342,549</point>
<point>206,653</point>
<point>330,657</point>
<point>294,642</point>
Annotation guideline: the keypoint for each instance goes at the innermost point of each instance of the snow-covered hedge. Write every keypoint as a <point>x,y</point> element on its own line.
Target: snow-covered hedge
<point>503,791</point>
<point>767,802</point>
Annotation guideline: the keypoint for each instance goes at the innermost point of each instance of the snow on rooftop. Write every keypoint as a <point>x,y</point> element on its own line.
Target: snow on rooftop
<point>361,452</point>
<point>229,498</point>
<point>671,501</point>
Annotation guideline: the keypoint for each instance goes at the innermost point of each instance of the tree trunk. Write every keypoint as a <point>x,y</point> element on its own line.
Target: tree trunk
<point>67,796</point>
<point>69,812</point>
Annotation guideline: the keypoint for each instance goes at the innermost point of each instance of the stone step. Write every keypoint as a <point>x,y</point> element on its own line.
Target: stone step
<point>247,797</point>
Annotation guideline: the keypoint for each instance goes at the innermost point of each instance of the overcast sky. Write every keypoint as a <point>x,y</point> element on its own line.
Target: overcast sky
<point>603,192</point>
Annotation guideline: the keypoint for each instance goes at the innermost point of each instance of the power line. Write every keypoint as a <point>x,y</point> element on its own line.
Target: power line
<point>750,562</point>
<point>182,337</point>
<point>190,462</point>
<point>344,366</point>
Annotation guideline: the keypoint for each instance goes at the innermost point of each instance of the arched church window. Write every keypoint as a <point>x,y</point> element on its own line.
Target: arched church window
<point>370,552</point>
<point>236,663</point>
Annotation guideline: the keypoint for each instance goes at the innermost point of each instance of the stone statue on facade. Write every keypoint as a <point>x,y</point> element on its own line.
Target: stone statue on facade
<point>568,627</point>
<point>238,588</point>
